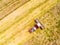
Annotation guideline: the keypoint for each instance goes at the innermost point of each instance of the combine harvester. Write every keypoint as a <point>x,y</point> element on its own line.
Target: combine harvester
<point>36,26</point>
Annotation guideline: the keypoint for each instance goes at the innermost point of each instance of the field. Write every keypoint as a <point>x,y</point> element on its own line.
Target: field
<point>17,17</point>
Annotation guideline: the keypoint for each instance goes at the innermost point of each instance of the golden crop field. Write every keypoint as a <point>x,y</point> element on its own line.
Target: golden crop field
<point>17,18</point>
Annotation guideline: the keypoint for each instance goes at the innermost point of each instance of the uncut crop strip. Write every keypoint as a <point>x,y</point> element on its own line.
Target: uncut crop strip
<point>18,14</point>
<point>40,38</point>
<point>13,6</point>
<point>45,9</point>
